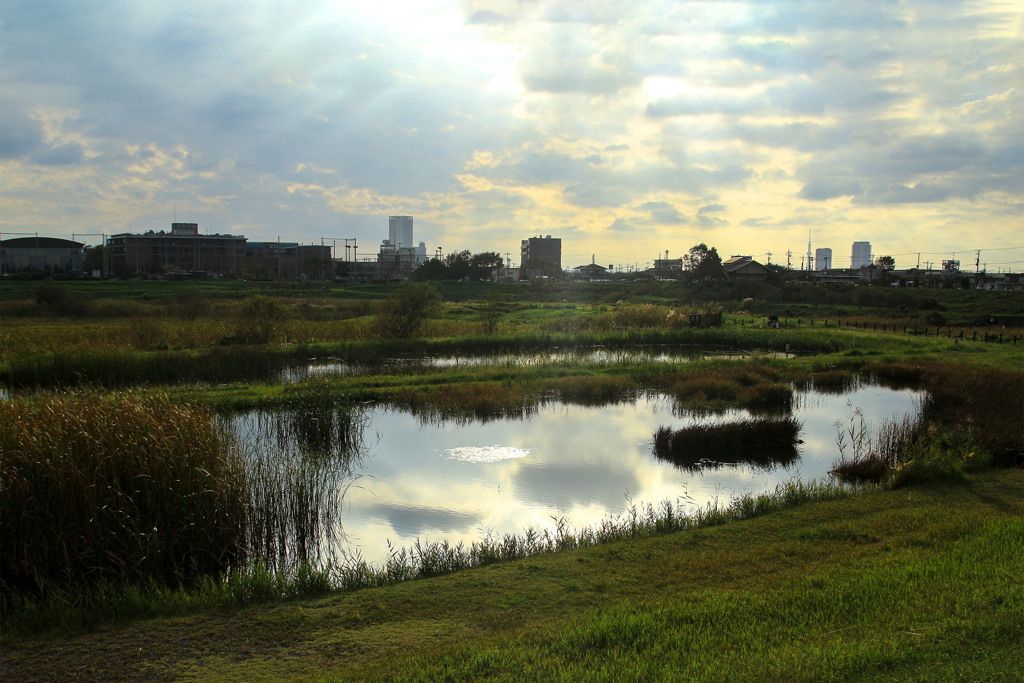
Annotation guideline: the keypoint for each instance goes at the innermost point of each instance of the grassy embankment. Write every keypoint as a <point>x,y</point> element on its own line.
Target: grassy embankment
<point>915,584</point>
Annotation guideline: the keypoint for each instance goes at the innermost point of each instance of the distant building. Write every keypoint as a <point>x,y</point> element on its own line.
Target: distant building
<point>47,254</point>
<point>287,260</point>
<point>666,267</point>
<point>540,256</point>
<point>740,268</point>
<point>860,256</point>
<point>399,255</point>
<point>400,231</point>
<point>397,263</point>
<point>180,249</point>
<point>184,250</point>
<point>591,271</point>
<point>823,259</point>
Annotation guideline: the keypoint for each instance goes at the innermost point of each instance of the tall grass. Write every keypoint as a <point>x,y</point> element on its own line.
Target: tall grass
<point>762,442</point>
<point>101,488</point>
<point>905,451</point>
<point>297,467</point>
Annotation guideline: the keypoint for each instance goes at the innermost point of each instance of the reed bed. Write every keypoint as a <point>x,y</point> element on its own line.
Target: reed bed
<point>102,488</point>
<point>762,442</point>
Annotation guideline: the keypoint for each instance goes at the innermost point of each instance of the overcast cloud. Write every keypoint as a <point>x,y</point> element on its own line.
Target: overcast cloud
<point>645,126</point>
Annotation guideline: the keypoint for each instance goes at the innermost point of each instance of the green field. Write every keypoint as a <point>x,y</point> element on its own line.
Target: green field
<point>917,584</point>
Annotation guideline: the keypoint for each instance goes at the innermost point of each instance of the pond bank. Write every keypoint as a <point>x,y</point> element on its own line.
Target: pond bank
<point>854,588</point>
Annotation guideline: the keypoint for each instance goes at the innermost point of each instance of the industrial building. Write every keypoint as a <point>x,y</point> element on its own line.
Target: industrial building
<point>823,259</point>
<point>540,256</point>
<point>399,255</point>
<point>184,249</point>
<point>47,254</point>
<point>860,255</point>
<point>181,249</point>
<point>400,231</point>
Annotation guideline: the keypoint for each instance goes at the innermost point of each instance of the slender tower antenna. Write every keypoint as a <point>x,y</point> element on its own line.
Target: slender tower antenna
<point>808,250</point>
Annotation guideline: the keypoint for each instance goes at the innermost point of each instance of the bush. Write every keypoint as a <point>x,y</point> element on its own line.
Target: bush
<point>403,312</point>
<point>259,320</point>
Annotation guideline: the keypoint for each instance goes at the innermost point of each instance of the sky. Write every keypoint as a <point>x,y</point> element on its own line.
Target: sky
<point>627,129</point>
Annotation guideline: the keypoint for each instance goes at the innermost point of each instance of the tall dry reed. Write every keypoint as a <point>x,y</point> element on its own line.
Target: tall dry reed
<point>98,487</point>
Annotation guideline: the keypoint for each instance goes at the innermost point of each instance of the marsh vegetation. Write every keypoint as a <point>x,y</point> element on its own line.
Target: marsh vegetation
<point>272,478</point>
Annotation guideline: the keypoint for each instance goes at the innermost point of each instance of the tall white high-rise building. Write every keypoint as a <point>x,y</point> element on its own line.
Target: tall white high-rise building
<point>860,257</point>
<point>823,259</point>
<point>400,231</point>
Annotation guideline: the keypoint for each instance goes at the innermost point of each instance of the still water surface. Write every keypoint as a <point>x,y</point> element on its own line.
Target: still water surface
<point>675,354</point>
<point>460,482</point>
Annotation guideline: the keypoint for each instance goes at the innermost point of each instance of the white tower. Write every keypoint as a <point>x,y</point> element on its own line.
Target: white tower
<point>400,231</point>
<point>823,259</point>
<point>860,257</point>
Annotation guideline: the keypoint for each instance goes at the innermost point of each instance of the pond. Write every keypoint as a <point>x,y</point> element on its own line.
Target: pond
<point>399,477</point>
<point>590,356</point>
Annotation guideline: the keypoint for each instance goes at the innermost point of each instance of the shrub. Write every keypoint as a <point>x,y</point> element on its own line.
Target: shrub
<point>403,312</point>
<point>258,320</point>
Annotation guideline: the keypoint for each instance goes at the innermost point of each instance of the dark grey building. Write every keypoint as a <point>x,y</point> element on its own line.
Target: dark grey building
<point>49,254</point>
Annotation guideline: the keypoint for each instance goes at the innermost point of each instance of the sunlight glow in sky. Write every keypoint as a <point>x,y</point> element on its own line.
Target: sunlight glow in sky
<point>625,128</point>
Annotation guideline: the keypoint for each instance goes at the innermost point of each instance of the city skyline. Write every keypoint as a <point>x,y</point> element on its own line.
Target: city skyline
<point>624,129</point>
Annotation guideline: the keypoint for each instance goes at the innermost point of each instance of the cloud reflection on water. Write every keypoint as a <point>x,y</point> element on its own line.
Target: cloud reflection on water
<point>580,463</point>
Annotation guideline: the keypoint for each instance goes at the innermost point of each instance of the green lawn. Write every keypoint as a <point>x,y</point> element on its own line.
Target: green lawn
<point>919,584</point>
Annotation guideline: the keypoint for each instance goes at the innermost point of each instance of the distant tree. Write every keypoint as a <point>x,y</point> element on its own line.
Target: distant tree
<point>316,267</point>
<point>484,263</point>
<point>404,311</point>
<point>703,264</point>
<point>493,310</point>
<point>458,265</point>
<point>886,263</point>
<point>93,259</point>
<point>432,270</point>
<point>258,320</point>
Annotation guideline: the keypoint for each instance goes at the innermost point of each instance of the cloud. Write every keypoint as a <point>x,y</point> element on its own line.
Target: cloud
<point>19,135</point>
<point>820,190</point>
<point>663,213</point>
<point>486,16</point>
<point>711,221</point>
<point>61,155</point>
<point>286,122</point>
<point>902,194</point>
<point>701,105</point>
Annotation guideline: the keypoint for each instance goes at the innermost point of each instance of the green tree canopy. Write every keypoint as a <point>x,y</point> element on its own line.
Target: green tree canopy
<point>703,264</point>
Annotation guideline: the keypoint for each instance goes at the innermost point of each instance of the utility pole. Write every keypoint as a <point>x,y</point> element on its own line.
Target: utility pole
<point>769,254</point>
<point>789,255</point>
<point>977,260</point>
<point>919,260</point>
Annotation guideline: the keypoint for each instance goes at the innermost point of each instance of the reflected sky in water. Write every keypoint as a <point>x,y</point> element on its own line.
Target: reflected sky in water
<point>581,463</point>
